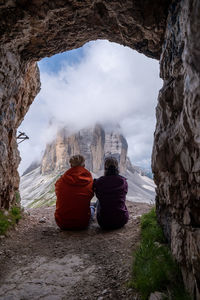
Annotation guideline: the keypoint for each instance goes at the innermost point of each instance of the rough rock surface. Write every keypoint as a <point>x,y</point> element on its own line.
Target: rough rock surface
<point>19,86</point>
<point>157,296</point>
<point>176,153</point>
<point>34,29</point>
<point>40,28</point>
<point>93,143</point>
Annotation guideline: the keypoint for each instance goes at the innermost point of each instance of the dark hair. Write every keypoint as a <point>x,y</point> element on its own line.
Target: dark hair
<point>111,166</point>
<point>111,170</point>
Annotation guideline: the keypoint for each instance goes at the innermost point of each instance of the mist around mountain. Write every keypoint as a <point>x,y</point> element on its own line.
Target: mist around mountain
<point>37,182</point>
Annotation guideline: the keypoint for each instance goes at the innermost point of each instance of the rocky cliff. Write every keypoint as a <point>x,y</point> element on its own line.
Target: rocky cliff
<point>176,152</point>
<point>93,143</point>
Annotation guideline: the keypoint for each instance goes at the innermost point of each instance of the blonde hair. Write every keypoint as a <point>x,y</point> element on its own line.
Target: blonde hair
<point>77,160</point>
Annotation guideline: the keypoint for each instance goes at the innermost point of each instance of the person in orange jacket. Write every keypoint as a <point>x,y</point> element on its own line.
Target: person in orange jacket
<point>74,191</point>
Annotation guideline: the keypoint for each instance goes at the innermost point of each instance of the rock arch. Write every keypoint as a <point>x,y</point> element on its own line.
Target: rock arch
<point>31,30</point>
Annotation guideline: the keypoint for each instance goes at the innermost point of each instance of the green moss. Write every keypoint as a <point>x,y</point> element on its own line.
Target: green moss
<point>4,223</point>
<point>9,219</point>
<point>37,205</point>
<point>154,268</point>
<point>16,214</point>
<point>52,202</point>
<point>52,190</point>
<point>35,202</point>
<point>41,202</point>
<point>17,196</point>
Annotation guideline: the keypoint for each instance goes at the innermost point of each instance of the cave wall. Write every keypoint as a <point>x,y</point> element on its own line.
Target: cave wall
<point>31,30</point>
<point>176,152</point>
<point>19,86</point>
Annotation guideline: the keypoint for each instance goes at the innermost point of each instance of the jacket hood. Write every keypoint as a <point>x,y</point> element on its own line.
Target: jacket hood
<point>77,176</point>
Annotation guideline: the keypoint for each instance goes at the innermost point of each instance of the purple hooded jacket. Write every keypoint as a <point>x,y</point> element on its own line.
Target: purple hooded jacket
<point>111,209</point>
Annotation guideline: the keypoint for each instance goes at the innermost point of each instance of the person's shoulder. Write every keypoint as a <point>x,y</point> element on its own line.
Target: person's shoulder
<point>68,171</point>
<point>87,171</point>
<point>99,180</point>
<point>122,178</point>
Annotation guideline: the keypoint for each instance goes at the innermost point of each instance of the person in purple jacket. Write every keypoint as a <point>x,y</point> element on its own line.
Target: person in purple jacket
<point>111,190</point>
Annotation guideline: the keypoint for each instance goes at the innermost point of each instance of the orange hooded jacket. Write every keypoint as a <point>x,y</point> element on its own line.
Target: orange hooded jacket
<point>74,192</point>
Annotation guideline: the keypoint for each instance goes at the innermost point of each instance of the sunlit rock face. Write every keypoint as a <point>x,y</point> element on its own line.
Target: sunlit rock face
<point>93,143</point>
<point>176,154</point>
<point>31,30</point>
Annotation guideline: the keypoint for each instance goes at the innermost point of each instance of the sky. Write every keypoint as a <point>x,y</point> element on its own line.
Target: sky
<point>101,82</point>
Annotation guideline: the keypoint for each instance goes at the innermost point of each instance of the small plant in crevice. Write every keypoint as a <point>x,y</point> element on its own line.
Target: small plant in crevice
<point>15,214</point>
<point>17,197</point>
<point>4,223</point>
<point>9,219</point>
<point>154,268</point>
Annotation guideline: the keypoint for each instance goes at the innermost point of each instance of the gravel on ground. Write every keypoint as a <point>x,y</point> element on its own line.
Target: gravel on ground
<point>38,261</point>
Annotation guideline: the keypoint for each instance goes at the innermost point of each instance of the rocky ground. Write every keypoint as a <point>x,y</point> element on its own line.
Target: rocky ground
<point>39,261</point>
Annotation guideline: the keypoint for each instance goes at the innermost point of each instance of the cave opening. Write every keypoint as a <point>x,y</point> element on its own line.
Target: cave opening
<point>100,83</point>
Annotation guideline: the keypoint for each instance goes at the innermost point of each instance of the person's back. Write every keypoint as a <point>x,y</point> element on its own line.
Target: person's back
<point>74,192</point>
<point>111,191</point>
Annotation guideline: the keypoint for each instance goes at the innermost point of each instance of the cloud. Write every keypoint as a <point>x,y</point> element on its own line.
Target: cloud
<point>109,83</point>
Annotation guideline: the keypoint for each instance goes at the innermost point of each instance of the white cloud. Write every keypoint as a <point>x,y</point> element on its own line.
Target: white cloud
<point>111,83</point>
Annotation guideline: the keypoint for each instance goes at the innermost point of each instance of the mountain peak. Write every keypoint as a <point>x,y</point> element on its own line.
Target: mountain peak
<point>93,143</point>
